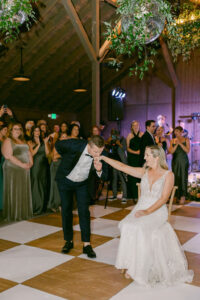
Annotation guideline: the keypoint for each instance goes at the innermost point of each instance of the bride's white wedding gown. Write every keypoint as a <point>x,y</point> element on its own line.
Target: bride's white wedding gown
<point>149,248</point>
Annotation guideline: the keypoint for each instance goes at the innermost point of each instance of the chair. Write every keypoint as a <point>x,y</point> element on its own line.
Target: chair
<point>170,199</point>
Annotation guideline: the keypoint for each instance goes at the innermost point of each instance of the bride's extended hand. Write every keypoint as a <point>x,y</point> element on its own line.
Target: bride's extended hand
<point>101,157</point>
<point>141,213</point>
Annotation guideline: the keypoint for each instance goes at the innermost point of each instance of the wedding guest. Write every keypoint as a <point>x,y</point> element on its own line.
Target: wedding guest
<point>149,251</point>
<point>185,131</point>
<point>147,139</point>
<point>54,198</point>
<point>56,128</point>
<point>133,150</point>
<point>94,131</point>
<point>28,125</point>
<point>17,200</point>
<point>41,121</point>
<point>180,147</point>
<point>6,115</point>
<point>161,139</point>
<point>73,131</point>
<point>43,130</point>
<point>81,134</point>
<point>161,122</point>
<point>3,132</point>
<point>39,171</point>
<point>63,127</point>
<point>117,151</point>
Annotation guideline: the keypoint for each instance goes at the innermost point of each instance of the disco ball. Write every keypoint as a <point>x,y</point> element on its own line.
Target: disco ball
<point>19,17</point>
<point>152,26</point>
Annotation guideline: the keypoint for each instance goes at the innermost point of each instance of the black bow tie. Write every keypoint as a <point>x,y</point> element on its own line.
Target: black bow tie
<point>89,155</point>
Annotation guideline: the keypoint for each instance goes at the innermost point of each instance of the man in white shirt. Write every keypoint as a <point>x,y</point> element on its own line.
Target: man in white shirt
<point>73,175</point>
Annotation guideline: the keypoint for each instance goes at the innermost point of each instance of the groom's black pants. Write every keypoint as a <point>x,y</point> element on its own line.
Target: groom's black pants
<point>67,188</point>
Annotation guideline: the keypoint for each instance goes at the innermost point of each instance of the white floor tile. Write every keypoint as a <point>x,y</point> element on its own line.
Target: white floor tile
<point>180,292</point>
<point>98,211</point>
<point>185,223</point>
<point>193,245</point>
<point>103,227</point>
<point>23,262</point>
<point>22,292</point>
<point>24,232</point>
<point>106,253</point>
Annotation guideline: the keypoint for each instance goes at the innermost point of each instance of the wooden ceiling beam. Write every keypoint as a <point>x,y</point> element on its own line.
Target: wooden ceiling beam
<point>78,26</point>
<point>111,2</point>
<point>95,63</point>
<point>168,61</point>
<point>55,43</point>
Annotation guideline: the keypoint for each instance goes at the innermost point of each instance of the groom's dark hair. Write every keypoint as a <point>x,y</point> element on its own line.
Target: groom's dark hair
<point>96,140</point>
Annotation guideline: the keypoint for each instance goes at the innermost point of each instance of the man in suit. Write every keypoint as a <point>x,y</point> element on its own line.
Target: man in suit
<point>147,139</point>
<point>76,168</point>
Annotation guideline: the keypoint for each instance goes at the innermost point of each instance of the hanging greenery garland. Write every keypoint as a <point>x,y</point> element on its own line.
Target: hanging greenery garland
<point>13,13</point>
<point>141,22</point>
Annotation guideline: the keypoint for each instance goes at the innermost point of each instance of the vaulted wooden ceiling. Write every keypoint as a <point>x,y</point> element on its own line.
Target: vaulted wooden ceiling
<point>52,56</point>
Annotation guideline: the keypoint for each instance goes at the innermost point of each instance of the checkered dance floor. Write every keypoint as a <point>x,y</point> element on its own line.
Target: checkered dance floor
<point>32,267</point>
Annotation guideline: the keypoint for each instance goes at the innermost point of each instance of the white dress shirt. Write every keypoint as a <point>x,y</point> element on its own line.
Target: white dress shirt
<point>81,171</point>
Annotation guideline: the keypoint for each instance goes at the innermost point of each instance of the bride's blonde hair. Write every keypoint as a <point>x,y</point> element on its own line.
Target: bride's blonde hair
<point>158,151</point>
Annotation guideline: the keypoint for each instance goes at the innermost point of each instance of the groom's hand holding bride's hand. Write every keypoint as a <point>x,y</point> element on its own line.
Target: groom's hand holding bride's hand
<point>141,213</point>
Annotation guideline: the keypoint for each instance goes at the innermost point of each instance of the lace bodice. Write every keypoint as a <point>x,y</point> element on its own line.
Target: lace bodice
<point>150,194</point>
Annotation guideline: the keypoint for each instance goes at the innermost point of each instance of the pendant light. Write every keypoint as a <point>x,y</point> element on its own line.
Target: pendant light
<point>80,88</point>
<point>20,76</point>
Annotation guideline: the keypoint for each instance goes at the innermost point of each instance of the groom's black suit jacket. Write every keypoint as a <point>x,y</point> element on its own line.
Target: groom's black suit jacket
<point>70,151</point>
<point>146,140</point>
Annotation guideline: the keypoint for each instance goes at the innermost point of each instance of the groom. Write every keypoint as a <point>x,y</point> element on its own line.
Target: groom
<point>74,173</point>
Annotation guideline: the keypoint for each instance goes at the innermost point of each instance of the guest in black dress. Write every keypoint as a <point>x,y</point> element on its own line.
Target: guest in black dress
<point>39,171</point>
<point>179,147</point>
<point>133,150</point>
<point>161,139</point>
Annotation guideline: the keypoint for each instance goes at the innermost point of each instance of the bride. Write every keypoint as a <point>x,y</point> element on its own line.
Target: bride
<point>149,251</point>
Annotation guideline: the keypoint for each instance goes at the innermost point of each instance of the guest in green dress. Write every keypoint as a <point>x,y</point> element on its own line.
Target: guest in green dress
<point>3,132</point>
<point>54,199</point>
<point>179,147</point>
<point>40,151</point>
<point>17,201</point>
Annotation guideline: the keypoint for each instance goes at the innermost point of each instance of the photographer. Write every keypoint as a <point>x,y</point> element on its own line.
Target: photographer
<point>116,147</point>
<point>6,115</point>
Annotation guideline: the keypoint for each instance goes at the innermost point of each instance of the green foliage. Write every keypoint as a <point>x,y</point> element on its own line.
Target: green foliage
<point>183,36</point>
<point>135,38</point>
<point>9,23</point>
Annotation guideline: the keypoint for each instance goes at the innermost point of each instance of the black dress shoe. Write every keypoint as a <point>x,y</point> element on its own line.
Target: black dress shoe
<point>89,251</point>
<point>67,247</point>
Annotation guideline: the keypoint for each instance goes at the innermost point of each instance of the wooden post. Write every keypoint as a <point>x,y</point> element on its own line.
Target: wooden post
<point>96,63</point>
<point>78,26</point>
<point>173,107</point>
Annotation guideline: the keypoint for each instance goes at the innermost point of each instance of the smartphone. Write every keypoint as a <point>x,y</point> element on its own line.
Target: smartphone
<point>5,106</point>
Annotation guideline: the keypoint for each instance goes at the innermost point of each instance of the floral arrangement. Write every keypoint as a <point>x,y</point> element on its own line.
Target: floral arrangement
<point>13,13</point>
<point>194,190</point>
<point>143,21</point>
